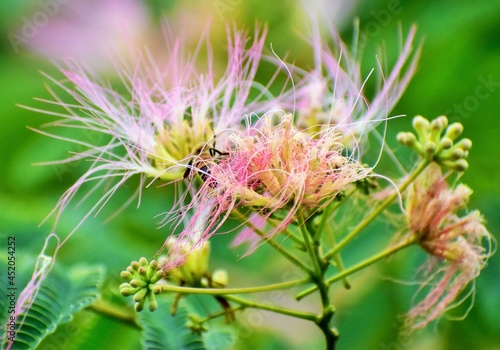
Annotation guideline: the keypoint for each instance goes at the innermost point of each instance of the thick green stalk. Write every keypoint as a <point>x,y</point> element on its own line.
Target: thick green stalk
<point>323,321</point>
<point>311,250</point>
<point>362,265</point>
<point>376,212</point>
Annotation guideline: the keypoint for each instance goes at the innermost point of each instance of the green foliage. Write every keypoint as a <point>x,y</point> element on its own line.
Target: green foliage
<point>63,293</point>
<point>162,330</point>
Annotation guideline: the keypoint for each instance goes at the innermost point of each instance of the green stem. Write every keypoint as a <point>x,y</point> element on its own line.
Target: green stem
<point>310,247</point>
<point>362,225</point>
<point>114,312</point>
<point>362,265</point>
<point>219,314</point>
<point>272,243</point>
<point>165,288</point>
<point>338,259</point>
<point>273,308</point>
<point>328,310</point>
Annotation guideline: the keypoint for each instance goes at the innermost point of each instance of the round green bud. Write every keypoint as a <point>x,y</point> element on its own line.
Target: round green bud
<point>154,265</point>
<point>135,265</point>
<point>126,292</point>
<point>439,124</point>
<point>457,165</point>
<point>157,276</point>
<point>139,306</point>
<point>137,283</point>
<point>153,304</point>
<point>143,261</point>
<point>156,289</point>
<point>429,148</point>
<point>142,271</point>
<point>220,278</point>
<point>140,294</point>
<point>126,275</point>
<point>454,130</point>
<point>465,144</point>
<point>407,139</point>
<point>421,124</point>
<point>446,143</point>
<point>204,282</point>
<point>457,153</point>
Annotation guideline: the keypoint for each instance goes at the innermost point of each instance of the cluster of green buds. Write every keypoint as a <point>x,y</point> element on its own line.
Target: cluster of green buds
<point>141,280</point>
<point>433,145</point>
<point>187,267</point>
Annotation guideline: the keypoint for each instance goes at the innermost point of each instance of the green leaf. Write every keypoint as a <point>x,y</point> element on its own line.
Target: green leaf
<point>63,293</point>
<point>163,331</point>
<point>219,339</point>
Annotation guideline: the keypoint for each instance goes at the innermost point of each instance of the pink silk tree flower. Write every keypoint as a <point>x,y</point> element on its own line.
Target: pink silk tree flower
<point>274,166</point>
<point>164,117</point>
<point>454,243</point>
<point>333,92</point>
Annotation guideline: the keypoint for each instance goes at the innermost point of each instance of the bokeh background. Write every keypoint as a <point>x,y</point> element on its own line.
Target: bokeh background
<point>458,75</point>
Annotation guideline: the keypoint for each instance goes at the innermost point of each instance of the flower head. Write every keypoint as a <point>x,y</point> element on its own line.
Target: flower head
<point>274,166</point>
<point>333,92</point>
<point>168,114</point>
<point>455,243</point>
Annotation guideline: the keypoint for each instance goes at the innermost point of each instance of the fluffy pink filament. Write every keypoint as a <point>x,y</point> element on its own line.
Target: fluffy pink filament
<point>454,243</point>
<point>272,167</point>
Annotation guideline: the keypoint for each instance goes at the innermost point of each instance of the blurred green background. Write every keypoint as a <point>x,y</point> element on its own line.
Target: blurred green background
<point>458,75</point>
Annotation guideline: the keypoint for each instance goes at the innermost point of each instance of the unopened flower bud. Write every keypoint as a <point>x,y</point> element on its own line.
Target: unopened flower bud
<point>139,306</point>
<point>153,304</point>
<point>135,265</point>
<point>204,282</point>
<point>126,275</point>
<point>154,264</point>
<point>459,165</point>
<point>429,149</point>
<point>156,289</point>
<point>422,127</point>
<point>137,283</point>
<point>437,127</point>
<point>407,139</point>
<point>446,143</point>
<point>457,153</point>
<point>420,123</point>
<point>454,130</point>
<point>140,294</point>
<point>465,144</point>
<point>220,278</point>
